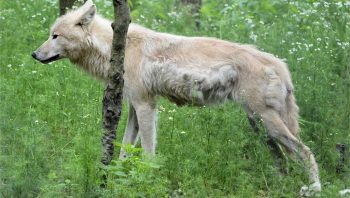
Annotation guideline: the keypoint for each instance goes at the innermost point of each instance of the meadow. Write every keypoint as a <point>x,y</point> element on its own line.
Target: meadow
<point>50,115</point>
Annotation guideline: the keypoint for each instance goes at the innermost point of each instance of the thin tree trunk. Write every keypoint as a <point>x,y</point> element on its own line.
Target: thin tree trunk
<point>196,6</point>
<point>113,93</point>
<point>344,158</point>
<point>66,5</point>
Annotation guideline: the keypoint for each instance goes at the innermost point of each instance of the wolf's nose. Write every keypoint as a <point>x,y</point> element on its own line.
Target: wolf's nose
<point>34,55</point>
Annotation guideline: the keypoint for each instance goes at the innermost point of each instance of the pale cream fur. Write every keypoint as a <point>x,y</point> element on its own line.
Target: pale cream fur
<point>186,70</point>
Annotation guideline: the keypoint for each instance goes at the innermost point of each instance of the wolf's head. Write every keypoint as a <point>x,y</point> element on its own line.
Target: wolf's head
<point>67,34</point>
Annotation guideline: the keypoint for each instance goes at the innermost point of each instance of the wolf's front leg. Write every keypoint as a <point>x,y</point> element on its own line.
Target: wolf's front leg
<point>146,116</point>
<point>130,136</point>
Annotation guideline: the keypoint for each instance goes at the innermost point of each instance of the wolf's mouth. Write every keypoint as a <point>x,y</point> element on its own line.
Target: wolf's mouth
<point>53,58</point>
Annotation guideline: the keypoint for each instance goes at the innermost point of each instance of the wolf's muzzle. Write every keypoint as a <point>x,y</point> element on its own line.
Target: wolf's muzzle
<point>53,58</point>
<point>34,55</point>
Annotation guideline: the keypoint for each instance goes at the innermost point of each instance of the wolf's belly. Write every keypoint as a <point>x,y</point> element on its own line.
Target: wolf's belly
<point>198,88</point>
<point>196,96</point>
<point>191,84</point>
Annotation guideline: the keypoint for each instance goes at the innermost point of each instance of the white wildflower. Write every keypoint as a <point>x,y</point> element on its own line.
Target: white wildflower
<point>326,4</point>
<point>172,111</point>
<point>161,108</point>
<point>339,4</point>
<point>253,36</point>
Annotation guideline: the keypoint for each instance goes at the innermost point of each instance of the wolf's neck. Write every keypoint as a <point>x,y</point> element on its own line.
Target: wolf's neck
<point>95,52</point>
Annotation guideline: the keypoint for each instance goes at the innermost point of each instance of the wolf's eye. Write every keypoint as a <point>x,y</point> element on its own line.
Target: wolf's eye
<point>54,36</point>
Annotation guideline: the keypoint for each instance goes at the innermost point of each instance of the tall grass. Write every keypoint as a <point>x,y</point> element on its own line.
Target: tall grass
<point>50,117</point>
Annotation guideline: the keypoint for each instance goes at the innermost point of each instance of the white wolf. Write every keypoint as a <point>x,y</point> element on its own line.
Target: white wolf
<point>186,70</point>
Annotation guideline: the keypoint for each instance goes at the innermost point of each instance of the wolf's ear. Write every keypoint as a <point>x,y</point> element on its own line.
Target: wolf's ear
<point>88,15</point>
<point>88,3</point>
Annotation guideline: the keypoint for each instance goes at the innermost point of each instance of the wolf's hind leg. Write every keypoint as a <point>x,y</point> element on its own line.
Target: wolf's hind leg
<point>279,131</point>
<point>276,150</point>
<point>131,132</point>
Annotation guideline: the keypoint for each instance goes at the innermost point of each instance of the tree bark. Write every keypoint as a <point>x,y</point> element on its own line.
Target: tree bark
<point>113,93</point>
<point>196,6</point>
<point>344,158</point>
<point>194,2</point>
<point>65,5</point>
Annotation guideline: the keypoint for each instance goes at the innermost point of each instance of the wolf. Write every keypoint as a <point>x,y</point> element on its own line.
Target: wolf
<point>186,70</point>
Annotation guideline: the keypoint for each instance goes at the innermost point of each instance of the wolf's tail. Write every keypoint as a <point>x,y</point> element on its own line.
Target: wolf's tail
<point>292,113</point>
<point>279,95</point>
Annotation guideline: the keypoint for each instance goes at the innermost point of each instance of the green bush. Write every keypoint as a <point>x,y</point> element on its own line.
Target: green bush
<point>136,176</point>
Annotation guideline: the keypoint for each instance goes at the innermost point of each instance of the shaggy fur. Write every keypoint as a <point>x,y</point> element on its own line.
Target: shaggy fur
<point>186,70</point>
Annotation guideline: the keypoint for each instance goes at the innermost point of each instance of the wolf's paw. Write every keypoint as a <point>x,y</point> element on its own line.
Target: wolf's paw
<point>312,190</point>
<point>344,193</point>
<point>123,155</point>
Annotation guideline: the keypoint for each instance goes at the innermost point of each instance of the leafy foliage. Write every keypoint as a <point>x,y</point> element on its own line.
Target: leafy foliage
<point>135,176</point>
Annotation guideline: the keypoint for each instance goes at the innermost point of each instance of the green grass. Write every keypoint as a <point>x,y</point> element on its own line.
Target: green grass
<point>50,115</point>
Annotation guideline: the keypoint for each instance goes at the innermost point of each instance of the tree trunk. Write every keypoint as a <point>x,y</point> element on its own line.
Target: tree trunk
<point>194,2</point>
<point>344,158</point>
<point>65,5</point>
<point>196,6</point>
<point>113,93</point>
